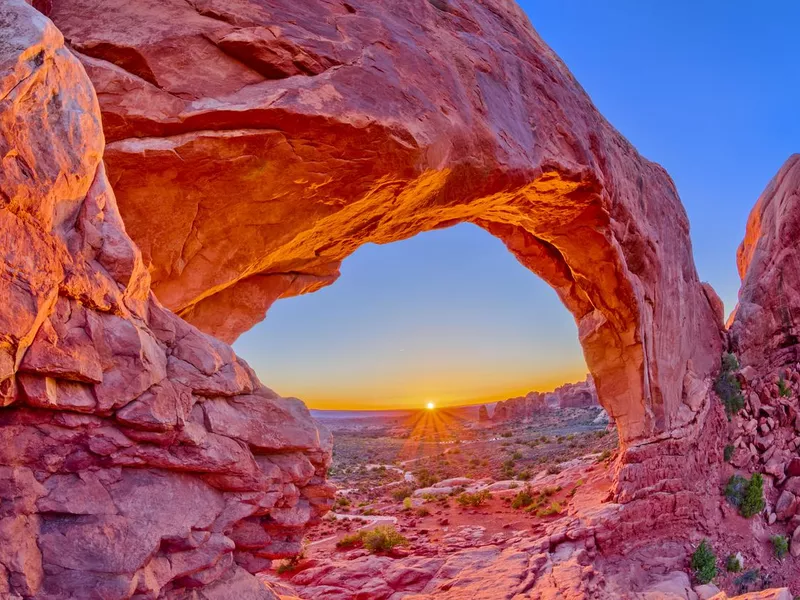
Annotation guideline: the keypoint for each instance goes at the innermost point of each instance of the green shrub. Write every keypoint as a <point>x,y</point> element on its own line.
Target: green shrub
<point>517,455</point>
<point>728,387</point>
<point>783,389</point>
<point>733,564</point>
<point>425,478</point>
<point>605,455</point>
<point>553,470</point>
<point>523,498</point>
<point>401,493</point>
<point>746,495</point>
<point>552,510</point>
<point>704,563</point>
<point>291,564</point>
<point>351,540</point>
<point>780,544</point>
<point>729,362</point>
<point>473,499</point>
<point>747,580</point>
<point>383,539</point>
<point>422,511</point>
<point>728,453</point>
<point>407,504</point>
<point>753,502</point>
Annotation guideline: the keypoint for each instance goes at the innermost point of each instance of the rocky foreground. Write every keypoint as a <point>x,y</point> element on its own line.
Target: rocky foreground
<point>254,145</point>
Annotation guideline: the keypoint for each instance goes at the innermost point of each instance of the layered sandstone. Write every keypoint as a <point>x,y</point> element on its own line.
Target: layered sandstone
<point>766,324</point>
<point>138,456</point>
<point>254,146</point>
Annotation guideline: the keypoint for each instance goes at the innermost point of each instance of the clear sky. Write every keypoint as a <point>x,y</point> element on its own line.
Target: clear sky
<point>711,90</point>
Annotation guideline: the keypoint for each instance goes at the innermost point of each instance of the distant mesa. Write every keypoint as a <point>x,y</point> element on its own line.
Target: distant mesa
<point>581,394</point>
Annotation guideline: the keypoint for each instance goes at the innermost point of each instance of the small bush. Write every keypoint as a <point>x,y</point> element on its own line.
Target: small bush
<point>733,564</point>
<point>425,478</point>
<point>550,490</point>
<point>783,389</point>
<point>506,434</point>
<point>401,493</point>
<point>407,504</point>
<point>524,475</point>
<point>422,511</point>
<point>704,563</point>
<point>523,498</point>
<point>552,510</point>
<point>727,454</point>
<point>553,470</point>
<point>292,563</point>
<point>746,495</point>
<point>604,456</point>
<point>728,387</point>
<point>753,502</point>
<point>780,544</point>
<point>746,580</point>
<point>351,540</point>
<point>383,539</point>
<point>729,362</point>
<point>473,499</point>
<point>517,455</point>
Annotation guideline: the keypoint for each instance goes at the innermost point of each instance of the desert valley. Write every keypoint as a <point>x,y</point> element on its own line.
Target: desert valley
<point>173,168</point>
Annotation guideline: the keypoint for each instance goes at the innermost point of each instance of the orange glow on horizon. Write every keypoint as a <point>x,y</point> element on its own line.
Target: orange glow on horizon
<point>447,396</point>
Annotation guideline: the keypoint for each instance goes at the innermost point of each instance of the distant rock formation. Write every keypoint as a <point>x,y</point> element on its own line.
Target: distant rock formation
<point>483,414</point>
<point>581,394</point>
<point>522,407</point>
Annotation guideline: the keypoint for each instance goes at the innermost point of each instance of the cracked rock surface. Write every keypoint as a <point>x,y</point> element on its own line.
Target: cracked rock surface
<point>139,457</point>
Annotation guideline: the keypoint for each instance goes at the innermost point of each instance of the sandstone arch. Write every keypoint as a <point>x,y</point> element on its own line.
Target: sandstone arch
<point>311,128</point>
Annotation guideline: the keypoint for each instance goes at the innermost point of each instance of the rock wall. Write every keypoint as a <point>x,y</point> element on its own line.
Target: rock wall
<point>138,456</point>
<point>253,146</point>
<point>765,327</point>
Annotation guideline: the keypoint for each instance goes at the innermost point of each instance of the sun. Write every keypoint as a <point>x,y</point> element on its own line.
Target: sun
<point>430,406</point>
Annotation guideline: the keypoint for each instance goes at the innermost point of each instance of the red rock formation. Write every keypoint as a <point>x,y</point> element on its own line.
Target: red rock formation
<point>581,394</point>
<point>252,147</point>
<point>520,408</point>
<point>570,395</point>
<point>138,456</point>
<point>765,327</point>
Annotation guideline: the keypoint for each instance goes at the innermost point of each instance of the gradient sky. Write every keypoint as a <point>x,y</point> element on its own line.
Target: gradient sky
<point>708,89</point>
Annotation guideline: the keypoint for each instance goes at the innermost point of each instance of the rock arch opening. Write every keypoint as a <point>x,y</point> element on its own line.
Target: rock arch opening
<point>447,316</point>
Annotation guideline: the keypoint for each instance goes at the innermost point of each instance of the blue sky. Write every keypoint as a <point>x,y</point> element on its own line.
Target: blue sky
<point>708,89</point>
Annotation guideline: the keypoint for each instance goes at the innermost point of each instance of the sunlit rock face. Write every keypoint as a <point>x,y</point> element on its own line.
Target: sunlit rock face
<point>765,328</point>
<point>252,146</point>
<point>138,456</point>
